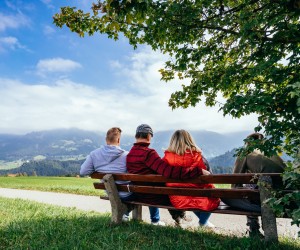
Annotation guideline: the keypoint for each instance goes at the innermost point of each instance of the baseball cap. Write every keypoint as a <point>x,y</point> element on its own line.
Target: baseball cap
<point>144,128</point>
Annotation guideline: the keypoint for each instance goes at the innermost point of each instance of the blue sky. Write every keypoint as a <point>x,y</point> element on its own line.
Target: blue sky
<point>51,78</point>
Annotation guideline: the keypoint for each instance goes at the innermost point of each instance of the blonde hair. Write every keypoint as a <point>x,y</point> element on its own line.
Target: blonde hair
<point>113,135</point>
<point>181,141</point>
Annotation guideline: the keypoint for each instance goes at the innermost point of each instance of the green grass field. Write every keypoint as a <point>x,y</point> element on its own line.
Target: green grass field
<point>71,185</point>
<point>31,225</point>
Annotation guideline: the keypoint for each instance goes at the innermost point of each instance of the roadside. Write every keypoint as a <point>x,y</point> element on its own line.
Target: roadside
<point>228,224</point>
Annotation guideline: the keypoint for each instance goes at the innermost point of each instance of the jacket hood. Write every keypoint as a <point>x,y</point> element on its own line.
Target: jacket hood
<point>109,153</point>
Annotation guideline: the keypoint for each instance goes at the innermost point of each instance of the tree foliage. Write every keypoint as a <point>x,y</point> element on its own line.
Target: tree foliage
<point>245,50</point>
<point>288,204</point>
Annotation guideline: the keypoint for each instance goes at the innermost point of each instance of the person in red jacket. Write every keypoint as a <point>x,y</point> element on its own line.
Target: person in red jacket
<point>183,151</point>
<point>144,160</point>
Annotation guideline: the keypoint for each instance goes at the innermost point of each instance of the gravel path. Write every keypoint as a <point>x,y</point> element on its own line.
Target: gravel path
<point>229,224</point>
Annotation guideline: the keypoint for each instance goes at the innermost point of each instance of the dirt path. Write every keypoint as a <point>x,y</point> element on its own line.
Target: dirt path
<point>229,224</point>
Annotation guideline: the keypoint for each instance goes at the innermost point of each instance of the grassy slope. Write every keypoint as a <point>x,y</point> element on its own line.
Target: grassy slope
<point>71,185</point>
<point>30,225</point>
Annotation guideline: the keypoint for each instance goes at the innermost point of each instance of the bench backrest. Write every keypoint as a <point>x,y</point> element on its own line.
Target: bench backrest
<point>215,178</point>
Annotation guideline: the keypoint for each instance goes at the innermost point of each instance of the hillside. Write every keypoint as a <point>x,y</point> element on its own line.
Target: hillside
<point>46,168</point>
<point>61,152</point>
<point>212,143</point>
<point>68,143</point>
<point>220,164</point>
<point>223,163</point>
<point>51,144</point>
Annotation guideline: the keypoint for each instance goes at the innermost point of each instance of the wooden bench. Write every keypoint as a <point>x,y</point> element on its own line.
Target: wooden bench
<point>263,193</point>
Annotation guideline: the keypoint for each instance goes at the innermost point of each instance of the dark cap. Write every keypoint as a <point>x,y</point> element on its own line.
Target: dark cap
<point>144,128</point>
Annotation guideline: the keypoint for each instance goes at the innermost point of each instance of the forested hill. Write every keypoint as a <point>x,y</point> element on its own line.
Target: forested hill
<point>221,164</point>
<point>46,168</point>
<point>61,152</point>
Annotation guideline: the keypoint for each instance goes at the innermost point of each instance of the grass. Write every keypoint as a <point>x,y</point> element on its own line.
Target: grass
<point>31,225</point>
<point>73,185</point>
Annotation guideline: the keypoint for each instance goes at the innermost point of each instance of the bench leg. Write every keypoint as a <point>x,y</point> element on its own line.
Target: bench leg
<point>268,217</point>
<point>137,213</point>
<point>117,207</point>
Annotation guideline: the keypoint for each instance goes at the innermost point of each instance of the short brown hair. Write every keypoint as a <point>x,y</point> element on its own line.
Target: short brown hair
<point>113,134</point>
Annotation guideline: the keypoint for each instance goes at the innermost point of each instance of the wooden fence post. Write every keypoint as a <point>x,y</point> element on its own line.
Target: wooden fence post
<point>117,207</point>
<point>268,217</point>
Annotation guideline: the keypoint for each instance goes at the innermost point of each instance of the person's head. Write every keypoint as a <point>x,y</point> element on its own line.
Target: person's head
<point>181,141</point>
<point>144,131</point>
<point>254,137</point>
<point>113,136</point>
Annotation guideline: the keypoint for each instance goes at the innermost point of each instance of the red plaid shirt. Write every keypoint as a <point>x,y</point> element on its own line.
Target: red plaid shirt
<point>143,160</point>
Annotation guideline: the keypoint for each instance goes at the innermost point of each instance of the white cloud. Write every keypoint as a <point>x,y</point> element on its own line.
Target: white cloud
<point>48,3</point>
<point>56,65</point>
<point>48,30</point>
<point>13,21</point>
<point>9,42</point>
<point>142,98</point>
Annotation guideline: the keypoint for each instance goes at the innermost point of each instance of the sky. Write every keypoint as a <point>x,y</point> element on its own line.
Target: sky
<point>50,78</point>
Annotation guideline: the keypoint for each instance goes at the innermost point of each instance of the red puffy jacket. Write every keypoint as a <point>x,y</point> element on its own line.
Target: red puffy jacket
<point>193,158</point>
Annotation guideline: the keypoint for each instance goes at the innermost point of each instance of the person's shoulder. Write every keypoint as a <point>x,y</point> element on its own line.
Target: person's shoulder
<point>166,152</point>
<point>125,152</point>
<point>152,150</point>
<point>96,151</point>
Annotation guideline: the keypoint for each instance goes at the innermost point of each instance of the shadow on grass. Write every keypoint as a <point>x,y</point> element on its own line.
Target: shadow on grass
<point>30,225</point>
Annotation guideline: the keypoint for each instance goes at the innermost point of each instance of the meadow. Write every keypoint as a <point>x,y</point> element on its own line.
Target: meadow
<point>70,185</point>
<point>31,225</point>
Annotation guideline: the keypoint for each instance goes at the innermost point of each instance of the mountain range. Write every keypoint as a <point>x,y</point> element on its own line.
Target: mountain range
<point>67,143</point>
<point>61,152</point>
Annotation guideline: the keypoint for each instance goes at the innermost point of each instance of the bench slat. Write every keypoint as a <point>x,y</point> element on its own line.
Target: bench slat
<point>215,178</point>
<point>214,193</point>
<point>219,210</point>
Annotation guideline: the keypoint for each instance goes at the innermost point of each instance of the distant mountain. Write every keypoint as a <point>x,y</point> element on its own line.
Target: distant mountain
<point>220,164</point>
<point>51,144</point>
<point>62,151</point>
<point>68,143</point>
<point>223,163</point>
<point>212,143</point>
<point>226,160</point>
<point>46,168</point>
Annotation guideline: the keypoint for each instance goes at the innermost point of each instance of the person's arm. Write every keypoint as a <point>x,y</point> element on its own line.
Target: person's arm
<point>154,162</point>
<point>208,168</point>
<point>87,167</point>
<point>240,166</point>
